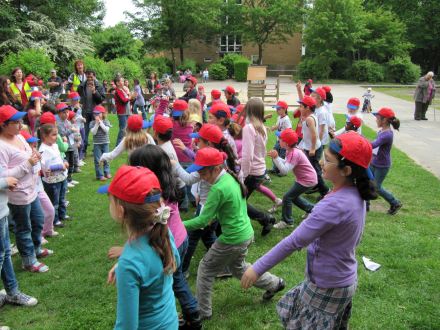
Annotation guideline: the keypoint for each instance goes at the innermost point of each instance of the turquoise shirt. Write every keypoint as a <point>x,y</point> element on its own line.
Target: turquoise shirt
<point>145,292</point>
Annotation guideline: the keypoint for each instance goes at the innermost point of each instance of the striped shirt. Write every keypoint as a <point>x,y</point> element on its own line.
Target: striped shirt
<point>100,131</point>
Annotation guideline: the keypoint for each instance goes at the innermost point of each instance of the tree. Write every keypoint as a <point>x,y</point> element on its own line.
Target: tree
<point>116,41</point>
<point>269,21</point>
<point>30,61</point>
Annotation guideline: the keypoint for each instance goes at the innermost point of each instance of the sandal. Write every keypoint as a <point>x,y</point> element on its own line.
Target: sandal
<point>37,267</point>
<point>45,253</point>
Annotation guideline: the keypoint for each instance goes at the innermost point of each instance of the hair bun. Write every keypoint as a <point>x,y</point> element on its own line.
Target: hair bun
<point>162,214</point>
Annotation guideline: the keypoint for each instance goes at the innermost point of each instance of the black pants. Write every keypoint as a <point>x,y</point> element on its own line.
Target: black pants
<point>70,160</point>
<point>253,182</point>
<point>314,160</point>
<point>420,111</point>
<point>89,118</point>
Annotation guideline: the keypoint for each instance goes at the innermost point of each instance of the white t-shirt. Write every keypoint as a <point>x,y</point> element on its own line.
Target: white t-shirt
<point>321,114</point>
<point>171,152</point>
<point>331,119</point>
<point>283,123</point>
<point>50,155</point>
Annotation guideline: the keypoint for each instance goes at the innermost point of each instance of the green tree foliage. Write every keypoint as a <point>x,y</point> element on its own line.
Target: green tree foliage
<point>366,70</point>
<point>228,61</point>
<point>402,70</point>
<point>127,68</point>
<point>96,64</point>
<point>30,61</point>
<point>160,65</point>
<point>116,41</point>
<point>269,21</point>
<point>218,71</point>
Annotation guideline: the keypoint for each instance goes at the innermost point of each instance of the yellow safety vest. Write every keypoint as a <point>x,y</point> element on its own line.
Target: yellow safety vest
<point>75,82</point>
<point>17,93</point>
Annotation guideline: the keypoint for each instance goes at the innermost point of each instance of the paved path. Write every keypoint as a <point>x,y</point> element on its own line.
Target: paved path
<point>419,139</point>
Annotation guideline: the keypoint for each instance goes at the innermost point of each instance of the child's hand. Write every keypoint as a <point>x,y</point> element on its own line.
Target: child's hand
<point>115,252</point>
<point>64,139</point>
<point>312,152</point>
<point>249,278</point>
<point>66,165</point>
<point>298,85</point>
<point>268,116</point>
<point>273,128</point>
<point>111,277</point>
<point>173,162</point>
<point>272,154</point>
<point>34,159</point>
<point>47,172</point>
<point>179,144</point>
<point>12,182</point>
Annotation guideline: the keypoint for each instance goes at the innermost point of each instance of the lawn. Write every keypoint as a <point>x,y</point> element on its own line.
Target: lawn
<point>402,294</point>
<point>404,93</point>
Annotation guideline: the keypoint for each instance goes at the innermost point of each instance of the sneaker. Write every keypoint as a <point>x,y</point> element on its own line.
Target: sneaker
<point>267,178</point>
<point>67,217</point>
<point>394,208</point>
<point>59,224</point>
<point>66,203</point>
<point>102,178</point>
<point>21,299</point>
<point>269,294</point>
<point>45,253</point>
<point>54,233</point>
<point>267,226</point>
<point>70,185</point>
<point>36,267</point>
<point>278,203</point>
<point>74,182</point>
<point>108,176</point>
<point>44,241</point>
<point>2,298</point>
<point>14,249</point>
<point>81,163</point>
<point>77,170</point>
<point>283,225</point>
<point>191,321</point>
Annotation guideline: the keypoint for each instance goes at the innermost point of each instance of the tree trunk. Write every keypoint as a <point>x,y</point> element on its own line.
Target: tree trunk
<point>173,59</point>
<point>260,54</point>
<point>181,54</point>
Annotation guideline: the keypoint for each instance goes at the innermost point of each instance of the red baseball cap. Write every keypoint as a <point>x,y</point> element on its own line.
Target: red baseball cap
<point>29,138</point>
<point>36,95</point>
<point>385,112</point>
<point>240,108</point>
<point>327,88</point>
<point>179,107</point>
<point>133,184</point>
<point>216,94</point>
<point>99,109</point>
<point>308,101</point>
<point>47,118</point>
<point>355,121</point>
<point>288,135</point>
<point>207,157</point>
<point>8,112</point>
<point>62,106</point>
<point>135,123</point>
<point>354,147</point>
<point>281,105</point>
<point>71,115</point>
<point>209,132</point>
<point>310,81</point>
<point>192,79</point>
<point>73,96</point>
<point>353,103</point>
<point>230,90</point>
<point>162,124</point>
<point>220,109</point>
<point>321,92</point>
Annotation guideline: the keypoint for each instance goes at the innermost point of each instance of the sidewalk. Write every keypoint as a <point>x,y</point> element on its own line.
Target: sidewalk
<point>419,139</point>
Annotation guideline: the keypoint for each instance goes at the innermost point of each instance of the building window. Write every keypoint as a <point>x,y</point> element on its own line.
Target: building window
<point>230,44</point>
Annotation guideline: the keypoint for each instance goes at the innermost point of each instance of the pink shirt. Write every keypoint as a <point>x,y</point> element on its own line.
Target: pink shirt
<point>253,161</point>
<point>175,224</point>
<point>17,165</point>
<point>297,161</point>
<point>182,133</point>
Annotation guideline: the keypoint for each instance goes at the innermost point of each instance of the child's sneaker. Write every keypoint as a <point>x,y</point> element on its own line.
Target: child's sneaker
<point>282,225</point>
<point>36,267</point>
<point>2,298</point>
<point>267,178</point>
<point>394,208</point>
<point>81,163</point>
<point>66,203</point>
<point>21,299</point>
<point>269,294</point>
<point>74,182</point>
<point>70,185</point>
<point>108,176</point>
<point>278,203</point>
<point>14,249</point>
<point>59,224</point>
<point>44,241</point>
<point>45,253</point>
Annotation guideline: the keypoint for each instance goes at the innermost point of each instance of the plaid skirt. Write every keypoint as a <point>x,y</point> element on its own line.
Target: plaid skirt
<point>308,307</point>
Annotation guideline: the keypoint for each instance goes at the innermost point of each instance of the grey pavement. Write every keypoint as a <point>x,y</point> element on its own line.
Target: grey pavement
<point>420,140</point>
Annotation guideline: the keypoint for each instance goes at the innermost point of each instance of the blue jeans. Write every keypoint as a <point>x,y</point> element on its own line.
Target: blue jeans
<point>380,174</point>
<point>7,269</point>
<point>142,110</point>
<point>29,220</point>
<point>98,150</point>
<point>281,153</point>
<point>56,193</point>
<point>89,118</point>
<point>314,161</point>
<point>294,195</point>
<point>122,119</point>
<point>180,287</point>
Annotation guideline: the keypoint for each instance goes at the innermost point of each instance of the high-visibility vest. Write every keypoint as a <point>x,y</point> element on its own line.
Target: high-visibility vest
<point>16,91</point>
<point>76,82</point>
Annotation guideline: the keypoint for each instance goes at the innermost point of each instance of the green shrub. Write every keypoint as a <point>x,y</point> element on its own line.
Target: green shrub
<point>126,67</point>
<point>218,71</point>
<point>339,67</point>
<point>96,64</point>
<point>366,70</point>
<point>188,63</point>
<point>155,64</point>
<point>30,61</point>
<point>240,69</point>
<point>228,62</point>
<point>402,70</point>
<point>314,68</point>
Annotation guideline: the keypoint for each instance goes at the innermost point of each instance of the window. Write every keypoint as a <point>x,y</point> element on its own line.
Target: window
<point>230,44</point>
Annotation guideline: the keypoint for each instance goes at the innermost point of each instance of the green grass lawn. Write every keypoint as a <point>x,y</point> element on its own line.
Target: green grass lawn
<point>402,294</point>
<point>404,93</point>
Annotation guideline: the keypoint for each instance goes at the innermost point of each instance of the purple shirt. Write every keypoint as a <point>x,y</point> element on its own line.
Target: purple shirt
<point>383,143</point>
<point>175,224</point>
<point>331,232</point>
<point>182,133</point>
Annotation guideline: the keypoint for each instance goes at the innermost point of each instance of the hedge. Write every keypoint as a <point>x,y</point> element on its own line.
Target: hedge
<point>241,68</point>
<point>218,71</point>
<point>366,70</point>
<point>127,68</point>
<point>402,70</point>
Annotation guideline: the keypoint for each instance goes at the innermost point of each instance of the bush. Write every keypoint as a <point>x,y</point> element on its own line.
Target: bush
<point>188,63</point>
<point>218,71</point>
<point>96,64</point>
<point>228,62</point>
<point>240,69</point>
<point>402,70</point>
<point>126,67</point>
<point>30,61</point>
<point>155,64</point>
<point>366,70</point>
<point>314,68</point>
<point>339,67</point>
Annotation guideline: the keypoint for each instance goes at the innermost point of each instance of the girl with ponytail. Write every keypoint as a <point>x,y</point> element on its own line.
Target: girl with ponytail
<point>331,233</point>
<point>380,166</point>
<point>145,268</point>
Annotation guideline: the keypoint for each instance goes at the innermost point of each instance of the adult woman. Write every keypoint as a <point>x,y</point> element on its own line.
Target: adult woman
<point>152,82</point>
<point>20,160</point>
<point>76,78</point>
<point>425,92</point>
<point>6,96</point>
<point>139,102</point>
<point>122,102</point>
<point>20,88</point>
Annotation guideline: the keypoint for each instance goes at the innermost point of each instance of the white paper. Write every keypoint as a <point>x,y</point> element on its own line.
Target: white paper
<point>370,265</point>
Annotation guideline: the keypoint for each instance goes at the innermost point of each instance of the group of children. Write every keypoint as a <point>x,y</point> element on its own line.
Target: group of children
<point>216,154</point>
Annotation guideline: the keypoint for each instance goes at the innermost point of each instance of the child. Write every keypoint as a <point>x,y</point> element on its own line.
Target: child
<point>231,99</point>
<point>76,137</point>
<point>304,172</point>
<point>311,143</point>
<point>220,115</point>
<point>239,116</point>
<point>322,115</point>
<point>79,122</point>
<point>195,111</point>
<point>149,258</point>
<point>385,118</point>
<point>33,109</point>
<point>54,170</point>
<point>308,87</point>
<point>352,110</point>
<point>226,202</point>
<point>201,96</point>
<point>100,127</point>
<point>353,123</point>
<point>135,136</point>
<point>283,122</point>
<point>328,103</point>
<point>205,75</point>
<point>368,96</point>
<point>331,233</point>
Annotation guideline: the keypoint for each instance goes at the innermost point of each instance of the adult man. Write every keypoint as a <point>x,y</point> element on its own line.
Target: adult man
<point>92,93</point>
<point>55,84</point>
<point>231,99</point>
